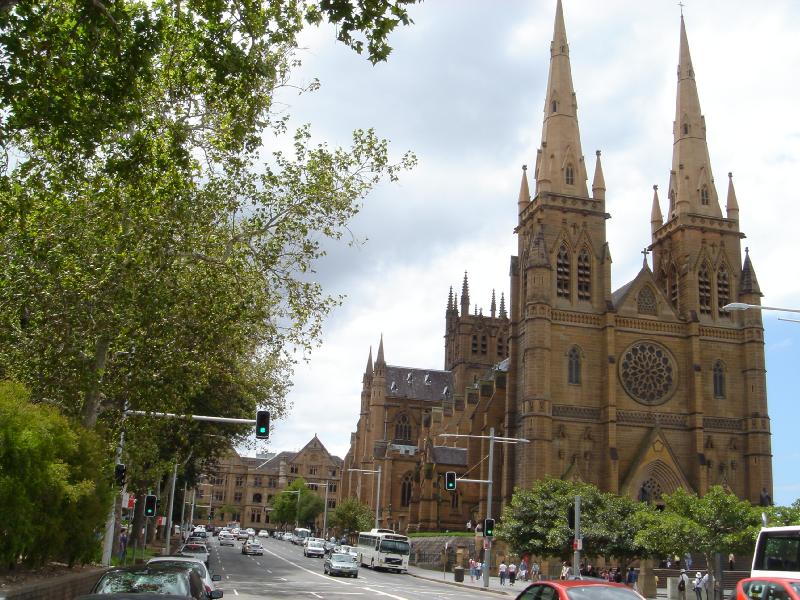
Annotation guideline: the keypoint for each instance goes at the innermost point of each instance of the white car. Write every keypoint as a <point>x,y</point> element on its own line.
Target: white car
<point>226,539</point>
<point>197,565</point>
<point>251,531</point>
<point>314,548</point>
<point>192,550</point>
<point>263,533</point>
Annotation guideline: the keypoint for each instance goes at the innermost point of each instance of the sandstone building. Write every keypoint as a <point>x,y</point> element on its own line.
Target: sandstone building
<point>243,488</point>
<point>639,390</point>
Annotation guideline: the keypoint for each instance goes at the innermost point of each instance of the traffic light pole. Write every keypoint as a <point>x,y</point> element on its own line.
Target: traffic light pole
<point>171,504</point>
<point>111,521</point>
<point>576,554</point>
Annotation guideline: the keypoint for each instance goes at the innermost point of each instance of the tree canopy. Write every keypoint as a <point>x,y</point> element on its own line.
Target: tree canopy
<point>285,506</point>
<point>351,516</point>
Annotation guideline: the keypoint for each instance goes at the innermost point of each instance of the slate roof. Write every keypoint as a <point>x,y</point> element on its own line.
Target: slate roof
<point>618,295</point>
<point>419,384</point>
<point>446,455</point>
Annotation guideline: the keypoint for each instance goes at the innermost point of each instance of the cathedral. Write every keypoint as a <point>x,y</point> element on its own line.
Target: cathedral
<point>639,390</point>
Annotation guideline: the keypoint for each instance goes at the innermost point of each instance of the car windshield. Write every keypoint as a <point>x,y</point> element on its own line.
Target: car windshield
<point>342,558</point>
<point>166,582</point>
<point>315,544</point>
<point>395,547</point>
<point>601,592</point>
<point>795,585</point>
<point>197,567</point>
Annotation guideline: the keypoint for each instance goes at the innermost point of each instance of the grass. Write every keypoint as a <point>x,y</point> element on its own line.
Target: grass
<point>149,553</point>
<point>423,534</point>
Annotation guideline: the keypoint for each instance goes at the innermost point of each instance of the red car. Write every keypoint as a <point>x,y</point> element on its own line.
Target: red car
<point>768,588</point>
<point>578,589</point>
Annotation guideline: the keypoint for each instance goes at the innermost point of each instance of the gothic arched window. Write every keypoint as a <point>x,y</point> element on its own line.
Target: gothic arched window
<point>569,175</point>
<point>563,278</point>
<point>405,490</point>
<point>704,290</point>
<point>574,366</point>
<point>584,275</point>
<point>685,129</point>
<point>484,344</point>
<point>402,429</point>
<point>723,290</point>
<point>474,344</point>
<point>646,301</point>
<point>704,195</point>
<point>719,379</point>
<point>672,278</point>
<point>554,106</point>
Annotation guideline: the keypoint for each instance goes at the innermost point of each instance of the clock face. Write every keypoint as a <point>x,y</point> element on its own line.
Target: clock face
<point>648,373</point>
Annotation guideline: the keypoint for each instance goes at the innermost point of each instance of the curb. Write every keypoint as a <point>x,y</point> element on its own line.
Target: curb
<point>461,585</point>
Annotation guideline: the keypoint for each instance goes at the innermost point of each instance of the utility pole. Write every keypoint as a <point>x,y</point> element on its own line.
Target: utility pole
<point>171,504</point>
<point>578,542</point>
<point>378,493</point>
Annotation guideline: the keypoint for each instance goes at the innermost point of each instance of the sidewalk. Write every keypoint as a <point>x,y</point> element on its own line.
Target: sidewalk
<point>494,582</point>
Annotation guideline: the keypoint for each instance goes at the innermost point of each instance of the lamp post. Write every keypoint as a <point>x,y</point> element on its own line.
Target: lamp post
<point>325,512</point>
<point>378,493</point>
<point>297,508</point>
<point>737,306</point>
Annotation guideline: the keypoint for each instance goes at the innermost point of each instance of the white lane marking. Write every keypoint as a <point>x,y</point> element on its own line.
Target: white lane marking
<point>380,593</point>
<point>315,594</point>
<point>258,563</point>
<point>235,592</point>
<point>269,571</point>
<point>294,564</point>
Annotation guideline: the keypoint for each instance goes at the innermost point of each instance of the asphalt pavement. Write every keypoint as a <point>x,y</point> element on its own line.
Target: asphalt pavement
<point>283,572</point>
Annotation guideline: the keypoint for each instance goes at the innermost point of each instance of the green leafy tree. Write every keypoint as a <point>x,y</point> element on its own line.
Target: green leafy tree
<point>285,505</point>
<point>54,484</point>
<point>716,522</point>
<point>351,516</point>
<point>783,515</point>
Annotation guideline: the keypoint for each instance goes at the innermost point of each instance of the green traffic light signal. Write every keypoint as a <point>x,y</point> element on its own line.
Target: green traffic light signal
<point>450,480</point>
<point>150,506</point>
<point>488,527</point>
<point>262,425</point>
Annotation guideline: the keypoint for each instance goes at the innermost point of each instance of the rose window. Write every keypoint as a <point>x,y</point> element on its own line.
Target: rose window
<point>647,372</point>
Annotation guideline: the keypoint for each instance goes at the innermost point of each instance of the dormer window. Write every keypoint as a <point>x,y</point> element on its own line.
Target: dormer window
<point>569,175</point>
<point>704,195</point>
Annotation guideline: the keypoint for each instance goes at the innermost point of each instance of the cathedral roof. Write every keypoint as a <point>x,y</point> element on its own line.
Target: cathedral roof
<point>419,384</point>
<point>618,295</point>
<point>446,455</point>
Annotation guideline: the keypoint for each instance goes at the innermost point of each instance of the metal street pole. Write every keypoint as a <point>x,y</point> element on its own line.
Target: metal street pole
<point>576,551</point>
<point>487,559</point>
<point>171,504</point>
<point>111,521</point>
<point>297,511</point>
<point>378,501</point>
<point>325,515</point>
<point>191,512</point>
<point>183,509</point>
<point>733,306</point>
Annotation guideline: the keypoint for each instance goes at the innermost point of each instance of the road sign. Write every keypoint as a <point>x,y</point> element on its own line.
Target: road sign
<point>577,543</point>
<point>131,501</point>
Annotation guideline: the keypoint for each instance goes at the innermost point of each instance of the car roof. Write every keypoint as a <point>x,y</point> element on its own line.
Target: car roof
<point>771,578</point>
<point>571,583</point>
<point>188,559</point>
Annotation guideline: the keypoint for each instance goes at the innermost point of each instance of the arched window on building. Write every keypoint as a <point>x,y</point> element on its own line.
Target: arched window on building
<point>646,301</point>
<point>554,106</point>
<point>723,290</point>
<point>563,275</point>
<point>672,280</point>
<point>402,429</point>
<point>704,195</point>
<point>405,490</point>
<point>704,289</point>
<point>719,379</point>
<point>574,366</point>
<point>584,275</point>
<point>569,175</point>
<point>474,344</point>
<point>484,344</point>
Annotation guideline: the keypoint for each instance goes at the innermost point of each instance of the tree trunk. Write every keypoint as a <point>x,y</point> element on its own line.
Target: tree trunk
<point>92,405</point>
<point>138,519</point>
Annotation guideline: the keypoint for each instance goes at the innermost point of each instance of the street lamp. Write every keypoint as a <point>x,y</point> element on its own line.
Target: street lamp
<point>737,306</point>
<point>325,513</point>
<point>377,495</point>
<point>297,508</point>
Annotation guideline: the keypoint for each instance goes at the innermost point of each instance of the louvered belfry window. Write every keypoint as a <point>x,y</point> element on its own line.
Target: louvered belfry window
<point>723,290</point>
<point>584,276</point>
<point>563,273</point>
<point>704,290</point>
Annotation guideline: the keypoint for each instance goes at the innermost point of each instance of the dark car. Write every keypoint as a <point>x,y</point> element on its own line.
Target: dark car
<point>578,589</point>
<point>768,588</point>
<point>143,581</point>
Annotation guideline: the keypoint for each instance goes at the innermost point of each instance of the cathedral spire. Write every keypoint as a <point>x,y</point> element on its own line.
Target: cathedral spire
<point>503,314</point>
<point>450,305</point>
<point>656,220</point>
<point>380,361</point>
<point>732,204</point>
<point>559,164</point>
<point>368,371</point>
<point>465,296</point>
<point>692,188</point>
<point>599,183</point>
<point>493,307</point>
<point>524,191</point>
<point>749,280</point>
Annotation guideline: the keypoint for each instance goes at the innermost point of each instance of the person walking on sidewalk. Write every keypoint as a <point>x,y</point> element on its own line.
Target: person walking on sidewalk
<point>502,571</point>
<point>535,570</point>
<point>698,585</point>
<point>472,570</point>
<point>512,573</point>
<point>683,583</point>
<point>731,561</point>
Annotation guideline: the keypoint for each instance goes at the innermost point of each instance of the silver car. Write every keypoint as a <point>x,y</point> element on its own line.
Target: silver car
<point>340,564</point>
<point>197,565</point>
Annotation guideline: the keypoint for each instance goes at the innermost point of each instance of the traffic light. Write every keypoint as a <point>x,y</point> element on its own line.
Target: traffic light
<point>488,528</point>
<point>262,425</point>
<point>571,516</point>
<point>211,513</point>
<point>450,481</point>
<point>150,505</point>
<point>119,474</point>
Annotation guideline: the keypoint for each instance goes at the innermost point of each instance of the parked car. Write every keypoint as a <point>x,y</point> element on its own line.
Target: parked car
<point>226,539</point>
<point>578,589</point>
<point>766,588</point>
<point>288,537</point>
<point>253,547</point>
<point>263,533</point>
<point>340,564</point>
<point>313,548</point>
<point>195,550</point>
<point>197,565</point>
<point>250,531</point>
<point>150,581</point>
<point>242,535</point>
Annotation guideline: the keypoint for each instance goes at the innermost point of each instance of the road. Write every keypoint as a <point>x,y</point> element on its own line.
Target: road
<point>283,572</point>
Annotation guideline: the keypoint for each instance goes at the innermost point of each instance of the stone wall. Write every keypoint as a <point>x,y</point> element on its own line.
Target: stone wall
<point>66,587</point>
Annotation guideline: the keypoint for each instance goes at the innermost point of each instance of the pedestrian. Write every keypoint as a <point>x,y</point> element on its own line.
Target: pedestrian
<point>565,570</point>
<point>683,583</point>
<point>535,570</point>
<point>472,570</point>
<point>698,585</point>
<point>688,560</point>
<point>523,570</point>
<point>123,545</point>
<point>731,561</point>
<point>479,569</point>
<point>631,577</point>
<point>512,573</point>
<point>502,571</point>
<point>705,584</point>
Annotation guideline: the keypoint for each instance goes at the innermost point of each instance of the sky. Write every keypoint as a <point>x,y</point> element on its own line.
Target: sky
<point>464,90</point>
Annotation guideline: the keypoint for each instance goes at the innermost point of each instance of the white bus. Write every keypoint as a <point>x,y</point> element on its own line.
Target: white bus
<point>777,553</point>
<point>299,535</point>
<point>383,549</point>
